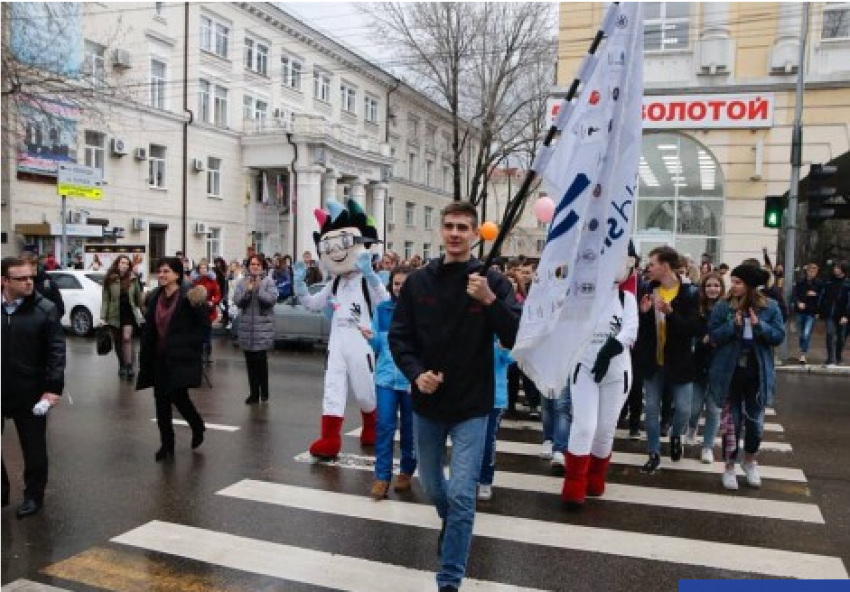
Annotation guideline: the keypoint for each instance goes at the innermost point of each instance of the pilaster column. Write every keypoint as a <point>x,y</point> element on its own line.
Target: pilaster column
<point>308,192</point>
<point>329,185</point>
<point>379,201</point>
<point>358,191</point>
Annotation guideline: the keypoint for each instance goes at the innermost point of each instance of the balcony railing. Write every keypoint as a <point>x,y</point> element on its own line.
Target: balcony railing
<point>267,125</point>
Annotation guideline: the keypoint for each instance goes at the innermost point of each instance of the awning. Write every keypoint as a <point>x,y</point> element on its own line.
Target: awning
<point>45,229</point>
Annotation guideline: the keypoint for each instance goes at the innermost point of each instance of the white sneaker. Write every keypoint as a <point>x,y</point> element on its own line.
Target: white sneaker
<point>691,436</point>
<point>485,493</point>
<point>707,456</point>
<point>558,460</point>
<point>752,472</point>
<point>546,450</point>
<point>730,479</point>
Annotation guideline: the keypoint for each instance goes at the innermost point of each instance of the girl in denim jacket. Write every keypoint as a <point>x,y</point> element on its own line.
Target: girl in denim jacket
<point>744,326</point>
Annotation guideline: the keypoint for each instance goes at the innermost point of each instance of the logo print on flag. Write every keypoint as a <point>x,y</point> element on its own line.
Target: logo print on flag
<point>599,147</point>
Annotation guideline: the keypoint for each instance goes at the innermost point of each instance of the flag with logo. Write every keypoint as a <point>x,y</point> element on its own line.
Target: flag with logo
<point>592,169</point>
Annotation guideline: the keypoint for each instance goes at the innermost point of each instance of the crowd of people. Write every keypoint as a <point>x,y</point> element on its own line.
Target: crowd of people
<point>690,340</point>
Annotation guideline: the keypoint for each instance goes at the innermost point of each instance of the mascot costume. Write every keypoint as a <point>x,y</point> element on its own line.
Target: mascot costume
<point>599,385</point>
<point>348,298</point>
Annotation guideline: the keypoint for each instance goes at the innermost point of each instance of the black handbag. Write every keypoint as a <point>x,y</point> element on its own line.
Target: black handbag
<point>103,337</point>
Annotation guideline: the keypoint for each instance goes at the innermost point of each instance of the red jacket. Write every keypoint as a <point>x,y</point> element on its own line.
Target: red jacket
<point>213,294</point>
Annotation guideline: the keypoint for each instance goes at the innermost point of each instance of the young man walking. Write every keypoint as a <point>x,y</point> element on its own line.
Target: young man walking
<point>669,320</point>
<point>441,338</point>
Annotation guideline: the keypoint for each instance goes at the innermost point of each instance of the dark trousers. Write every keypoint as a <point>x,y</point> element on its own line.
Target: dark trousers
<point>532,394</point>
<point>180,399</point>
<point>666,405</point>
<point>747,409</point>
<point>633,408</point>
<point>258,373</point>
<point>32,434</point>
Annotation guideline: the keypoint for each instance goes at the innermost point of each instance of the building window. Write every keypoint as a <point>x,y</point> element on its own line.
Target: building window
<point>412,166</point>
<point>204,101</point>
<point>322,86</point>
<point>413,129</point>
<point>220,106</point>
<point>541,244</point>
<point>370,109</point>
<point>257,56</point>
<point>431,138</point>
<point>429,218</point>
<point>666,26</point>
<point>409,214</point>
<point>215,36</point>
<point>158,80</point>
<point>408,250</point>
<point>429,173</point>
<point>426,251</point>
<point>95,150</point>
<point>94,63</point>
<point>214,243</point>
<point>836,20</point>
<point>447,178</point>
<point>390,211</point>
<point>681,196</point>
<point>214,176</point>
<point>158,8</point>
<point>254,108</point>
<point>290,69</point>
<point>442,250</point>
<point>348,98</point>
<point>156,166</point>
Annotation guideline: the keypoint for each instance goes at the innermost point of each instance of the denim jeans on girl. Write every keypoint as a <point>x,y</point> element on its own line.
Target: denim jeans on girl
<point>805,325</point>
<point>391,404</point>
<point>488,462</point>
<point>557,418</point>
<point>712,414</point>
<point>454,498</point>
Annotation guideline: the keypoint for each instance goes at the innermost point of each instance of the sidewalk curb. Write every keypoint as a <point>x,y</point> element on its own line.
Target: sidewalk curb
<point>813,369</point>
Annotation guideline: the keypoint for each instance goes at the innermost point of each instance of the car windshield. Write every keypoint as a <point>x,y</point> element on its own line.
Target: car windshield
<point>96,277</point>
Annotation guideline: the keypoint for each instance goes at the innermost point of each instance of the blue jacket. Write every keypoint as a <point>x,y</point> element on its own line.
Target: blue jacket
<point>501,360</point>
<point>387,373</point>
<point>769,332</point>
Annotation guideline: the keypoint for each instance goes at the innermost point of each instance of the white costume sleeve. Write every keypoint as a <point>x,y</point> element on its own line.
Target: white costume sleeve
<point>629,328</point>
<point>316,302</point>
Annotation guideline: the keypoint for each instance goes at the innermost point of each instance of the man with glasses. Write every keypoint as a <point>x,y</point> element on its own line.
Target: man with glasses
<point>442,338</point>
<point>33,364</point>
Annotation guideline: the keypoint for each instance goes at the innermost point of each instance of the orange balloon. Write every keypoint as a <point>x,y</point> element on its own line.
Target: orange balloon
<point>488,231</point>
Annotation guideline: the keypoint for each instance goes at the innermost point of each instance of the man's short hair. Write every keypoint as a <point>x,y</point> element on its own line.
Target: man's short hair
<point>667,254</point>
<point>9,262</point>
<point>463,208</point>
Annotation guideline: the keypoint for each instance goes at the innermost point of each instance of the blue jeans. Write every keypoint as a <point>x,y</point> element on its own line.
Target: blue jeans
<point>488,462</point>
<point>681,400</point>
<point>558,413</point>
<point>836,335</point>
<point>454,498</point>
<point>391,403</point>
<point>712,414</point>
<point>805,325</point>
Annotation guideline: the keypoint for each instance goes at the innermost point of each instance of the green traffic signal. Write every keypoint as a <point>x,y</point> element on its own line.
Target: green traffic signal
<point>773,208</point>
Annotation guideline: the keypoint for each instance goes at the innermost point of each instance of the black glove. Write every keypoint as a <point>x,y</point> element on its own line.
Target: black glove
<point>611,349</point>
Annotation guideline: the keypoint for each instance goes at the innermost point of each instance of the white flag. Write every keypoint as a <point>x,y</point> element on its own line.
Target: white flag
<point>593,169</point>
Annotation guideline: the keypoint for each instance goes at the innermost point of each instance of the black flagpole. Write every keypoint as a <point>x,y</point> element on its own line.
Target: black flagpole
<point>522,193</point>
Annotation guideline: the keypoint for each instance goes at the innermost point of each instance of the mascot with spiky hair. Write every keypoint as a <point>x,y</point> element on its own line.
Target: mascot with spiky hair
<point>349,298</point>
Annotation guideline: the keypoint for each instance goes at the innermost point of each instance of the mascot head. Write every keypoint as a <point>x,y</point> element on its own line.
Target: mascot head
<point>344,234</point>
<point>628,265</point>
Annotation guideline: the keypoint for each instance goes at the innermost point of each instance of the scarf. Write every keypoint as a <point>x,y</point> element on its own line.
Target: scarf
<point>165,307</point>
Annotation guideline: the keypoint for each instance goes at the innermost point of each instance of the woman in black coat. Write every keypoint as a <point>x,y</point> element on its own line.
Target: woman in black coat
<point>171,347</point>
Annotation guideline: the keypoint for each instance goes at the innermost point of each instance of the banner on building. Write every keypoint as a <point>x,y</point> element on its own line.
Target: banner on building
<point>100,257</point>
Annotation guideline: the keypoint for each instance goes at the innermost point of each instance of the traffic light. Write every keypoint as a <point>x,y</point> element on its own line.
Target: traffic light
<point>774,207</point>
<point>819,194</point>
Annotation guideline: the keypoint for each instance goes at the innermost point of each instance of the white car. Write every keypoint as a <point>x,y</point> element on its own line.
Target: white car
<point>82,293</point>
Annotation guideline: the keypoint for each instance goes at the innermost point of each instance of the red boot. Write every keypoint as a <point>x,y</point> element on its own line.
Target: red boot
<point>575,481</point>
<point>370,424</point>
<point>328,446</point>
<point>596,475</point>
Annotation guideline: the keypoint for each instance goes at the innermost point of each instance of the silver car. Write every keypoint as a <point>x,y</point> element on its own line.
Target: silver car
<point>294,324</point>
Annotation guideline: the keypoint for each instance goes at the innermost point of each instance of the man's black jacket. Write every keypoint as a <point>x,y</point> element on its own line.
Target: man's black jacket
<point>33,353</point>
<point>438,327</point>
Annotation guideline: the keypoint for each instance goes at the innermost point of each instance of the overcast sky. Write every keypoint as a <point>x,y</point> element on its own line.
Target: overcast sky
<point>340,20</point>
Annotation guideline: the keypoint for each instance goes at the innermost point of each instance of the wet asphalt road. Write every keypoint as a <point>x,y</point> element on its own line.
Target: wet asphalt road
<point>104,484</point>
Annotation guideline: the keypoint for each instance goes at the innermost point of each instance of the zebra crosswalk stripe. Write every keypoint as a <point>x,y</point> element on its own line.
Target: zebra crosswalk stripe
<point>318,568</point>
<point>524,424</point>
<point>680,550</point>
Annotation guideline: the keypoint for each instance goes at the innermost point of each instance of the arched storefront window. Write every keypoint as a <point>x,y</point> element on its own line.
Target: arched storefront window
<point>680,197</point>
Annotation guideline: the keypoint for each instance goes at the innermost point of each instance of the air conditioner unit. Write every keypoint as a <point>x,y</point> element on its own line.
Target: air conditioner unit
<point>141,154</point>
<point>121,58</point>
<point>139,224</point>
<point>198,165</point>
<point>201,228</point>
<point>119,147</point>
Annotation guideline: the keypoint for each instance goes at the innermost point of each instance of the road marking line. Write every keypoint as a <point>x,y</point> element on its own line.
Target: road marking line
<point>524,424</point>
<point>677,550</point>
<point>614,492</point>
<point>767,446</point>
<point>638,460</point>
<point>30,586</point>
<point>209,426</point>
<point>317,568</point>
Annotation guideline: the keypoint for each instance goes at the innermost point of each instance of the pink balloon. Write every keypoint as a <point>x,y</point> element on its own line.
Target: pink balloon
<point>544,209</point>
